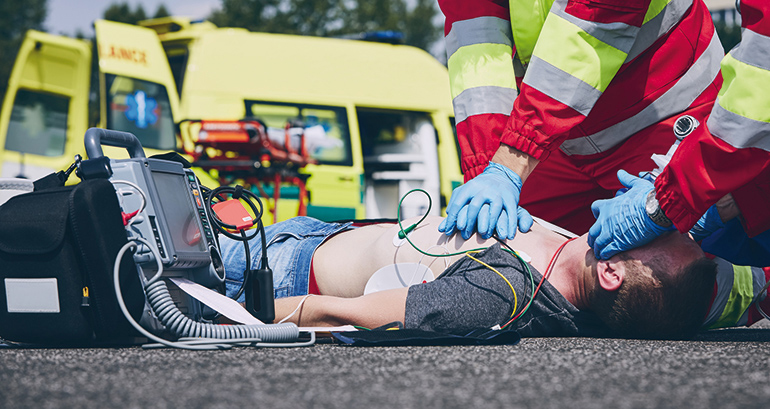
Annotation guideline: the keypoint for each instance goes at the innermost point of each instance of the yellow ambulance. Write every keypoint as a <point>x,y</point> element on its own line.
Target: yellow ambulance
<point>377,117</point>
<point>57,90</point>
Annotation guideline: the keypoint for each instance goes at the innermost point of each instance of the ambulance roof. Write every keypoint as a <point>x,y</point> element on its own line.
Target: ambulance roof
<point>234,62</point>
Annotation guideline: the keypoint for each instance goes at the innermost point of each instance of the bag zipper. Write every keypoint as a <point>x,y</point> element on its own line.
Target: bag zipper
<point>98,320</point>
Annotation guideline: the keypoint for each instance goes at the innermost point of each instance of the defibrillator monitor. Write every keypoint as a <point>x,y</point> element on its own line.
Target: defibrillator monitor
<point>180,226</point>
<point>186,235</point>
<point>172,216</point>
<point>171,208</point>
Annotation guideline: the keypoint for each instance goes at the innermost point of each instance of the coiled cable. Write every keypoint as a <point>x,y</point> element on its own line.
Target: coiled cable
<point>206,336</point>
<point>182,326</point>
<point>239,193</point>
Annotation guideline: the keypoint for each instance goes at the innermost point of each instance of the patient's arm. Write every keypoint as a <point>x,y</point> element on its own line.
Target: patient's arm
<point>370,311</point>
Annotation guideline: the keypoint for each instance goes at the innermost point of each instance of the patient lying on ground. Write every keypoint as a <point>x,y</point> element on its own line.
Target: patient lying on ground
<point>661,290</point>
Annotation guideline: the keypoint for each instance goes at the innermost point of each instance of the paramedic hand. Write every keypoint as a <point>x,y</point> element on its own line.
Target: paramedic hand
<point>487,202</point>
<point>644,175</point>
<point>622,222</point>
<point>710,222</point>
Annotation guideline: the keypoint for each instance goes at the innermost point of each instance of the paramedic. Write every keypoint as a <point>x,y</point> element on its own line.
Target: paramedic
<point>661,290</point>
<point>600,85</point>
<point>727,155</point>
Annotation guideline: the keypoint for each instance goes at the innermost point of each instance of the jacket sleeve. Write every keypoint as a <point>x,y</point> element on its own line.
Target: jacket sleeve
<point>479,46</point>
<point>580,49</point>
<point>731,153</point>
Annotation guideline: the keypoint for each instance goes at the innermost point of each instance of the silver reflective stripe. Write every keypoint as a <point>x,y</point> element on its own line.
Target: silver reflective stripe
<point>484,100</point>
<point>737,130</point>
<point>519,69</point>
<point>480,30</point>
<point>561,86</point>
<point>754,50</point>
<point>659,26</point>
<point>618,35</point>
<point>725,278</point>
<point>678,98</point>
<point>725,282</point>
<point>759,283</point>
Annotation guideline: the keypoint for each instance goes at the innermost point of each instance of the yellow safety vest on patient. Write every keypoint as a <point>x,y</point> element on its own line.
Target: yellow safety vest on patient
<point>737,287</point>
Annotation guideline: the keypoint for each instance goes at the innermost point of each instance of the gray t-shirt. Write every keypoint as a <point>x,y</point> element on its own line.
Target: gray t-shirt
<point>468,295</point>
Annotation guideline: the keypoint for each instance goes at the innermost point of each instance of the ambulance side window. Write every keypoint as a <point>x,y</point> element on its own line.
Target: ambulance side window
<point>392,132</point>
<point>38,123</point>
<point>326,131</point>
<point>177,60</point>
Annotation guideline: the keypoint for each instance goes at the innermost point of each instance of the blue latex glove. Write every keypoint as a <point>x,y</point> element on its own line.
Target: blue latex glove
<point>643,175</point>
<point>622,222</point>
<point>707,224</point>
<point>487,202</point>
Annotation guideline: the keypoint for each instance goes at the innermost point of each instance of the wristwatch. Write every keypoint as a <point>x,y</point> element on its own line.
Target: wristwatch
<point>652,207</point>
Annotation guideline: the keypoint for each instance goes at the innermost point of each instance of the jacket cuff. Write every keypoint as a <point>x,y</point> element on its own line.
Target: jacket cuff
<point>474,165</point>
<point>523,138</point>
<point>674,205</point>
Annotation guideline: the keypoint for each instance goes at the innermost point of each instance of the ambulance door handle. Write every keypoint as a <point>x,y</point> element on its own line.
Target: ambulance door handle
<point>346,178</point>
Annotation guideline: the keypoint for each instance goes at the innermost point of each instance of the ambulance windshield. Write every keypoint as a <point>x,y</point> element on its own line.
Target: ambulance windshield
<point>142,108</point>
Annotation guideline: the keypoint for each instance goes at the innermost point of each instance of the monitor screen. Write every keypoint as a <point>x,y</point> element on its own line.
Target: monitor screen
<point>179,212</point>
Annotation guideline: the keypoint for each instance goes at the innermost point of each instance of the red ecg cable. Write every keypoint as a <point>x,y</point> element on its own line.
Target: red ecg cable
<point>545,274</point>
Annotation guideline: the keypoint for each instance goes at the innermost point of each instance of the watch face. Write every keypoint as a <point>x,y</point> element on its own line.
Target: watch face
<point>651,205</point>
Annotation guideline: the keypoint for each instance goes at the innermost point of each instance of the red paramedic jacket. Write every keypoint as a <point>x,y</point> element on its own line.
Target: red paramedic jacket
<point>672,63</point>
<point>731,153</point>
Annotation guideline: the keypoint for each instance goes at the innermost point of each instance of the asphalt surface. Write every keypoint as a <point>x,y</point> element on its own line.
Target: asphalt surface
<point>719,369</point>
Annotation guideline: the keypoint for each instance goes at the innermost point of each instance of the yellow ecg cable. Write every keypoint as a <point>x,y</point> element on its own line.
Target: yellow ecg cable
<point>515,298</point>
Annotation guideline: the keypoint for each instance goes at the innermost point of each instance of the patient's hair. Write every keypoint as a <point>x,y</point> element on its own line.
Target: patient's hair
<point>662,305</point>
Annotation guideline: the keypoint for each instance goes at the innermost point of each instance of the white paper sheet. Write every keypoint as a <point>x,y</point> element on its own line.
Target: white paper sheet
<point>234,310</point>
<point>221,304</point>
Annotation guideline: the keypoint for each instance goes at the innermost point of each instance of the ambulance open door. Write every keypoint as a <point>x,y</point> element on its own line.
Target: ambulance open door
<point>136,87</point>
<point>45,112</point>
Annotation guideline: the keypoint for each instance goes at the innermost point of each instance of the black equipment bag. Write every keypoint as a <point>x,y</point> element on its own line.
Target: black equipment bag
<point>57,251</point>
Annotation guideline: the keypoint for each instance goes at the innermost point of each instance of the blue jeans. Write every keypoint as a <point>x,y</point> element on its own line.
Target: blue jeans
<point>290,248</point>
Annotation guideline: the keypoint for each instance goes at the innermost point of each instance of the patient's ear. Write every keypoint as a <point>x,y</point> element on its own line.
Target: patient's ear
<point>610,273</point>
